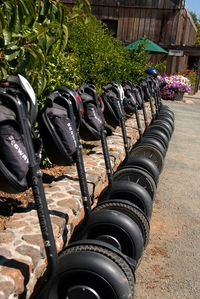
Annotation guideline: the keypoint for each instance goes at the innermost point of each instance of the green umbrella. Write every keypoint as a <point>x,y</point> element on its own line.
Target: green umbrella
<point>149,46</point>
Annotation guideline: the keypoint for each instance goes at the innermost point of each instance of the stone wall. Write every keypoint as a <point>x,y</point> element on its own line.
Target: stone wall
<point>22,254</point>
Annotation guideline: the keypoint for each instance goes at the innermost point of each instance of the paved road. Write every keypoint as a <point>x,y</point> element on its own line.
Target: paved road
<point>170,268</point>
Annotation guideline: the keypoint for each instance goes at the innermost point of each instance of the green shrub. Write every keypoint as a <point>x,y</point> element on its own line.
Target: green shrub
<point>93,55</point>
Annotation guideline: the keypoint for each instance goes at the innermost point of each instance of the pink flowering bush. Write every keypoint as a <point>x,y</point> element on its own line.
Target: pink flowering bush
<point>173,86</point>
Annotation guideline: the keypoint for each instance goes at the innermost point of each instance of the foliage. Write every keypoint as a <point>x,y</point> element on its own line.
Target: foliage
<point>194,17</point>
<point>196,21</point>
<point>197,40</point>
<point>173,85</point>
<point>29,32</point>
<point>160,66</point>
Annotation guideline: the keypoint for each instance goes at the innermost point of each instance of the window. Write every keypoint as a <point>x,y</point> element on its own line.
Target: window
<point>112,25</point>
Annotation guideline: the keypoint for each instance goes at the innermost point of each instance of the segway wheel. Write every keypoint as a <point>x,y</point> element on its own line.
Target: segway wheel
<point>161,129</point>
<point>158,135</point>
<point>92,271</point>
<point>117,229</point>
<point>130,210</point>
<point>150,140</point>
<point>150,152</point>
<point>146,164</point>
<point>131,192</point>
<point>166,118</point>
<point>138,176</point>
<point>163,123</point>
<point>167,111</point>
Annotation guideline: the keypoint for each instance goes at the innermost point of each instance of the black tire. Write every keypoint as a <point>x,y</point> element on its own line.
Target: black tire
<point>137,176</point>
<point>92,271</point>
<point>150,139</point>
<point>130,210</point>
<point>129,191</point>
<point>117,229</point>
<point>150,152</point>
<point>158,134</point>
<point>164,124</point>
<point>154,142</point>
<point>167,111</point>
<point>167,118</point>
<point>160,128</point>
<point>145,163</point>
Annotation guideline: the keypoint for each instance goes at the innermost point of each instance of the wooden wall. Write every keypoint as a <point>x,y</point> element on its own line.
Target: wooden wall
<point>163,26</point>
<point>159,20</point>
<point>166,4</point>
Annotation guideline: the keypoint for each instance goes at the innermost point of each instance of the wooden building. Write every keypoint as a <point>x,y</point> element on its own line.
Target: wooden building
<point>166,22</point>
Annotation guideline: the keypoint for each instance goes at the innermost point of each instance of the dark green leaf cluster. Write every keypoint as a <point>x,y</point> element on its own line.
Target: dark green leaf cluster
<point>29,30</point>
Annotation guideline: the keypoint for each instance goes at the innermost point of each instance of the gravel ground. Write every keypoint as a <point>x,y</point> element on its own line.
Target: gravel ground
<point>170,267</point>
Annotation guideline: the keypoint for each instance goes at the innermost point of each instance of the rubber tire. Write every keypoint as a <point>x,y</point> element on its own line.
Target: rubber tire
<point>167,111</point>
<point>117,225</point>
<point>150,152</point>
<point>168,119</point>
<point>164,124</point>
<point>160,128</point>
<point>145,163</point>
<point>138,176</point>
<point>131,192</point>
<point>96,266</point>
<point>130,210</point>
<point>157,134</point>
<point>150,140</point>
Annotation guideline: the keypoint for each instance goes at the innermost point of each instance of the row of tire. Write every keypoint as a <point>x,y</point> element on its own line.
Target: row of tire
<point>106,248</point>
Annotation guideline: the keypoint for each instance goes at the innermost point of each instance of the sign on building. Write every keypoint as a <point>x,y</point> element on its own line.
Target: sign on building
<point>176,53</point>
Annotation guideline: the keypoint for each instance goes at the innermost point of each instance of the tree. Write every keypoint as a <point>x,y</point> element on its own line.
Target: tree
<point>197,23</point>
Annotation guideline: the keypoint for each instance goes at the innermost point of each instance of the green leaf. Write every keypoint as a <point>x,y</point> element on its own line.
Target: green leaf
<point>11,52</point>
<point>46,7</point>
<point>3,73</point>
<point>87,6</point>
<point>39,83</point>
<point>64,37</point>
<point>2,19</point>
<point>9,11</point>
<point>18,17</point>
<point>29,12</point>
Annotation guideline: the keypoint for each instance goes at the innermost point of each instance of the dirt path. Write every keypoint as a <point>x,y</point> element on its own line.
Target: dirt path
<point>170,268</point>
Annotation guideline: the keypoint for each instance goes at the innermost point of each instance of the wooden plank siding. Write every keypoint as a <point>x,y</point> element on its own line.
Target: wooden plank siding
<point>161,26</point>
<point>168,4</point>
<point>158,4</point>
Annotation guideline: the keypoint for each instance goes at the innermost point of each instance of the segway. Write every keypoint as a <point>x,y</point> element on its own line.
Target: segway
<point>162,123</point>
<point>85,269</point>
<point>114,115</point>
<point>131,106</point>
<point>160,114</point>
<point>92,128</point>
<point>59,116</point>
<point>153,73</point>
<point>150,130</point>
